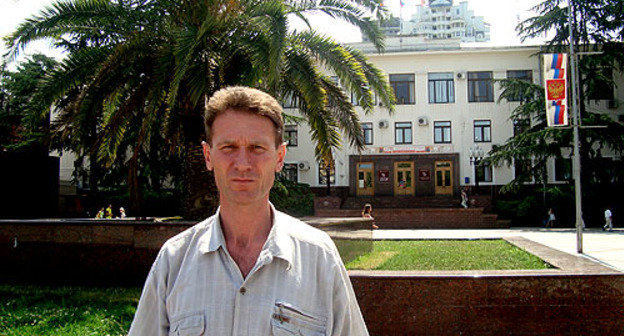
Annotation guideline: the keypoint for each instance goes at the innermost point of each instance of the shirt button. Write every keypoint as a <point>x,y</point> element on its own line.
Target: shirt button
<point>243,290</point>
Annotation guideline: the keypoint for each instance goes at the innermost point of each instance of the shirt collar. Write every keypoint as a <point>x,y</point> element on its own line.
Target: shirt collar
<point>279,243</point>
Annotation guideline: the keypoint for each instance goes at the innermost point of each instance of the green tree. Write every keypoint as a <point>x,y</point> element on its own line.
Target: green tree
<point>24,118</point>
<point>139,68</point>
<point>534,143</point>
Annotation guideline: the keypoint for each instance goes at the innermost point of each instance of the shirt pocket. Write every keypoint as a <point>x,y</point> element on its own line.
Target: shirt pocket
<point>188,325</point>
<point>289,320</point>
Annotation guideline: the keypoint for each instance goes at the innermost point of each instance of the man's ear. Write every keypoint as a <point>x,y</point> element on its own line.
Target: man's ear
<point>281,154</point>
<point>206,148</point>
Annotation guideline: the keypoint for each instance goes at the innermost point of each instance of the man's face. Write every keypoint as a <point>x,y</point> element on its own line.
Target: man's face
<point>243,156</point>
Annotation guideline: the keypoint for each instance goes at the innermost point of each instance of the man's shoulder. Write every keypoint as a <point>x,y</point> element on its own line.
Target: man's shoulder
<point>304,233</point>
<point>183,239</point>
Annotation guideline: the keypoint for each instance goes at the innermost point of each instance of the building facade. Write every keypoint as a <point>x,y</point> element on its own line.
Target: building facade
<point>447,114</point>
<point>440,20</point>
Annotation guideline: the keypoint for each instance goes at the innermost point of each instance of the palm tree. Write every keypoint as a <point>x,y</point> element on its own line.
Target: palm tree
<point>140,66</point>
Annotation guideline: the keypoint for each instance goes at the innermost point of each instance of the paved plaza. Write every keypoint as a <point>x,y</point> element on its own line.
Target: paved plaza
<point>604,247</point>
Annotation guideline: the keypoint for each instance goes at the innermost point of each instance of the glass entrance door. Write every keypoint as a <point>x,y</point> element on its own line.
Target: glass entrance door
<point>365,181</point>
<point>444,178</point>
<point>404,178</point>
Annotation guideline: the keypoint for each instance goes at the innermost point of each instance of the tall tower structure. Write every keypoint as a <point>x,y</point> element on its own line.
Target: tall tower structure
<point>441,20</point>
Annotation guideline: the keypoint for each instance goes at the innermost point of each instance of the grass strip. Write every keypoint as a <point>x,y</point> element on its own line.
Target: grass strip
<point>438,255</point>
<point>66,311</point>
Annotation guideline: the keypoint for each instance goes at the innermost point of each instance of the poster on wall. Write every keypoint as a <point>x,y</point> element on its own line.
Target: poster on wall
<point>384,176</point>
<point>424,175</point>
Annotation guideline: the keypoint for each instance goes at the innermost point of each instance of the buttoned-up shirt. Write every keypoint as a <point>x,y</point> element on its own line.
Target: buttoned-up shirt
<point>298,286</point>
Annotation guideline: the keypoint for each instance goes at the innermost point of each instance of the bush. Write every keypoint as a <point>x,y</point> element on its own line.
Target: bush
<point>293,198</point>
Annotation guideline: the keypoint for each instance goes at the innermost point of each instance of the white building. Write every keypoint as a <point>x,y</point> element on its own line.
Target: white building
<point>447,107</point>
<point>440,20</point>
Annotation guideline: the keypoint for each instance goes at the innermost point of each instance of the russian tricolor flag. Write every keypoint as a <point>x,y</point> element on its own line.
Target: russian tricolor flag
<point>556,89</point>
<point>559,113</point>
<point>557,61</point>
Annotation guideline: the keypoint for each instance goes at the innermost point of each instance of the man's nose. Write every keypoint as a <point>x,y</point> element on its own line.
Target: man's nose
<point>243,160</point>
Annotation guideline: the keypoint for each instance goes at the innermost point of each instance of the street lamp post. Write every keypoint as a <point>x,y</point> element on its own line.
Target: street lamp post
<point>476,155</point>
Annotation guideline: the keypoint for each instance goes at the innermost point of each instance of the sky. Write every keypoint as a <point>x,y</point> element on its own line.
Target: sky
<point>503,15</point>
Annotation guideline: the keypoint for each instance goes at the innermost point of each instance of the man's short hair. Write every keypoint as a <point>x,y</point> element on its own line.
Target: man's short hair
<point>245,99</point>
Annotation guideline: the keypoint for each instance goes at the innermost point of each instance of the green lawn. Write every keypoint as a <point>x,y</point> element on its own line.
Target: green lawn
<point>446,255</point>
<point>67,311</point>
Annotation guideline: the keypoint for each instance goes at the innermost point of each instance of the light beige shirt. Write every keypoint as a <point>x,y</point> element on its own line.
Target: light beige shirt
<point>298,286</point>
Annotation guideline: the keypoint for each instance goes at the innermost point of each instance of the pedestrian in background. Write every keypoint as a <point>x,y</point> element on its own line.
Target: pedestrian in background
<point>550,221</point>
<point>608,220</point>
<point>100,214</point>
<point>464,198</point>
<point>109,212</point>
<point>368,213</point>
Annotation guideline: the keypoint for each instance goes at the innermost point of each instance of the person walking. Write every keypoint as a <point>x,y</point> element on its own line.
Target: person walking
<point>367,212</point>
<point>550,221</point>
<point>608,220</point>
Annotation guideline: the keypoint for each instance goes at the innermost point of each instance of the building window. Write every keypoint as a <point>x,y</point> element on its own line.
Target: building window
<point>290,102</point>
<point>290,133</point>
<point>441,88</point>
<point>367,129</point>
<point>290,172</point>
<point>403,133</point>
<point>523,168</point>
<point>482,131</point>
<point>484,173</point>
<point>520,126</point>
<point>442,132</point>
<point>524,75</point>
<point>480,88</point>
<point>403,86</point>
<point>323,174</point>
<point>355,102</point>
<point>600,88</point>
<point>563,169</point>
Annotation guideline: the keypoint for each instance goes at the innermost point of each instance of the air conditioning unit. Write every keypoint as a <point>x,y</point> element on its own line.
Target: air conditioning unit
<point>612,104</point>
<point>304,165</point>
<point>423,121</point>
<point>460,75</point>
<point>383,124</point>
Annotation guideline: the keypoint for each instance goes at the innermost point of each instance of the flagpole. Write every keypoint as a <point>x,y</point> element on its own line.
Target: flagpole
<point>577,155</point>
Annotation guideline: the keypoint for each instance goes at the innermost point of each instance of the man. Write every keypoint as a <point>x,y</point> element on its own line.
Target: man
<point>608,221</point>
<point>249,269</point>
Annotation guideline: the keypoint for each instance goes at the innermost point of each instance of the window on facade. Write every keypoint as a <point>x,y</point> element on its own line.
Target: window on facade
<point>355,102</point>
<point>442,132</point>
<point>599,88</point>
<point>403,86</point>
<point>323,174</point>
<point>290,134</point>
<point>480,87</point>
<point>484,173</point>
<point>441,88</point>
<point>403,133</point>
<point>522,168</point>
<point>290,102</point>
<point>563,169</point>
<point>367,129</point>
<point>520,126</point>
<point>524,75</point>
<point>482,131</point>
<point>290,172</point>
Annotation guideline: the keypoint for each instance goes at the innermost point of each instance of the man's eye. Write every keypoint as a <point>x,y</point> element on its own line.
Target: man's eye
<point>258,148</point>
